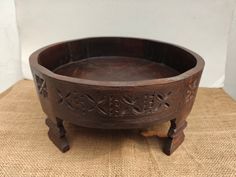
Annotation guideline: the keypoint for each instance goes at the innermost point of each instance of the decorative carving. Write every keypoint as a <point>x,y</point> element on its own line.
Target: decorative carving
<point>64,99</point>
<point>115,105</point>
<point>41,85</point>
<point>191,89</point>
<point>90,104</point>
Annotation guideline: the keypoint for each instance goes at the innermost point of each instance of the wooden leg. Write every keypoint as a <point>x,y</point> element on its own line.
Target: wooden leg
<point>175,136</point>
<point>57,133</point>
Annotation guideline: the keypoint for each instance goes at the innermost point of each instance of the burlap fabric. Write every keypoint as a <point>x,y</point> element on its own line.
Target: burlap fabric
<point>209,148</point>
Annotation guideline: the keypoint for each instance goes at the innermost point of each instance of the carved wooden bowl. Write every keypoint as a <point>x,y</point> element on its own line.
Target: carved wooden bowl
<point>116,83</point>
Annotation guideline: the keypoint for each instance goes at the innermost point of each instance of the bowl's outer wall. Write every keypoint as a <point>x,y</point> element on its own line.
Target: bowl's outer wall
<point>115,107</point>
<point>121,105</point>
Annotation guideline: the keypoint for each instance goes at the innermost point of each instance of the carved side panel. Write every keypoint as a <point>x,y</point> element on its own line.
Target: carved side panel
<point>41,86</point>
<point>115,105</point>
<point>191,91</point>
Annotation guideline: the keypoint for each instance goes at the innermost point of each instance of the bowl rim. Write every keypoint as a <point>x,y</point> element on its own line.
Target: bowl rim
<point>33,60</point>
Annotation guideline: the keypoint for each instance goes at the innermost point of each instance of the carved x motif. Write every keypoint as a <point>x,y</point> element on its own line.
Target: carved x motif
<point>64,99</point>
<point>96,105</point>
<point>162,100</point>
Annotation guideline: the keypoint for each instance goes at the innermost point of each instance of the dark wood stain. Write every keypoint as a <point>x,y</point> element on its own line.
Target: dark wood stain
<point>116,68</point>
<point>116,83</point>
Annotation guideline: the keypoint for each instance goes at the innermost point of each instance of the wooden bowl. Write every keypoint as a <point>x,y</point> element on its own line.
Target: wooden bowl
<point>116,83</point>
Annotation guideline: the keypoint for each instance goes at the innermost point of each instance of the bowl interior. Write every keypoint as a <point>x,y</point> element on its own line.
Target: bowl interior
<point>116,59</point>
<point>116,68</point>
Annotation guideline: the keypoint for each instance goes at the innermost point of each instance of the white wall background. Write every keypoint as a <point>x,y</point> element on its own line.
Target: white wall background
<point>230,78</point>
<point>10,68</point>
<point>202,26</point>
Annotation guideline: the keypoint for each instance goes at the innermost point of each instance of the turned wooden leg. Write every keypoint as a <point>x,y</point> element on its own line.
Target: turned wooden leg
<point>175,136</point>
<point>57,133</point>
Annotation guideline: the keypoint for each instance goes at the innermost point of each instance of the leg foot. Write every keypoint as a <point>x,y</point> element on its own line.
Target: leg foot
<point>56,134</point>
<point>175,136</point>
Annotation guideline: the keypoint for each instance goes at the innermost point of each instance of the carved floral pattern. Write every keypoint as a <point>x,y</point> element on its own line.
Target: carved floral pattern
<point>41,85</point>
<point>115,105</point>
<point>191,90</point>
